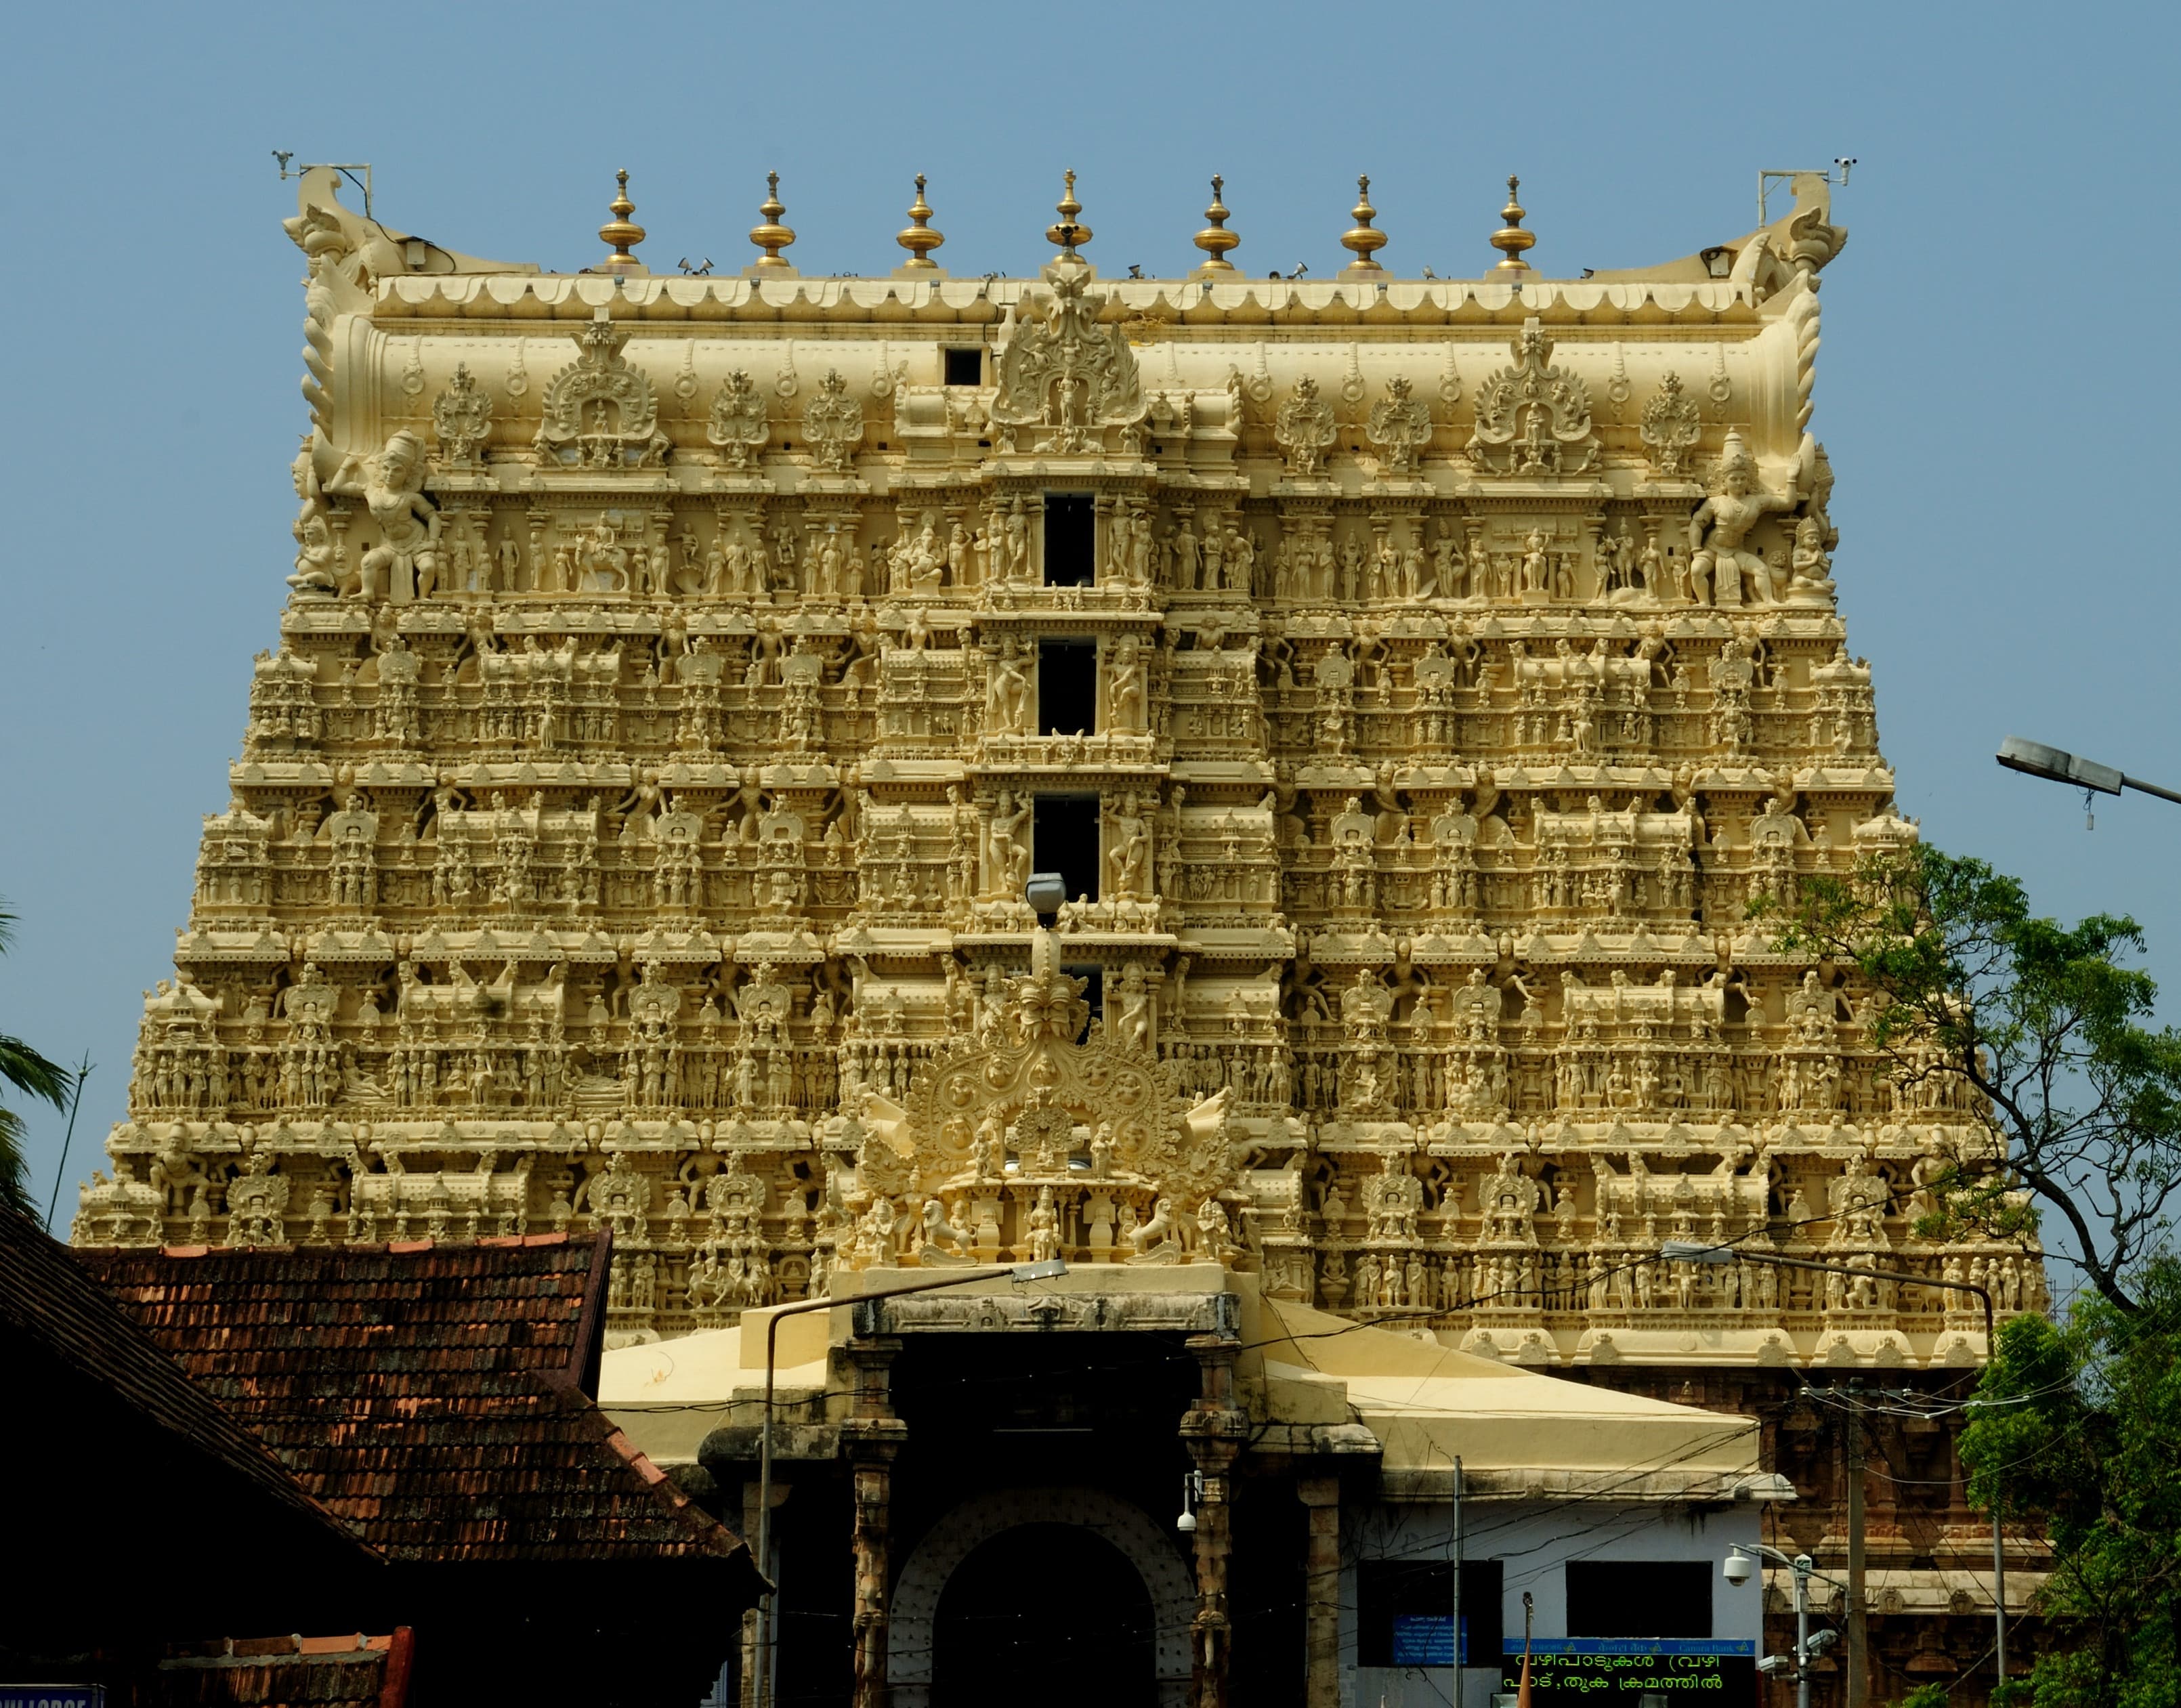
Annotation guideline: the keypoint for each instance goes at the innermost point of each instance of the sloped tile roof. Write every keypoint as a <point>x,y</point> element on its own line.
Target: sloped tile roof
<point>428,1395</point>
<point>292,1671</point>
<point>52,1306</point>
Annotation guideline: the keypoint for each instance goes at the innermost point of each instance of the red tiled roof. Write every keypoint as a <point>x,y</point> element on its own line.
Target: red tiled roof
<point>428,1395</point>
<point>345,1672</point>
<point>56,1308</point>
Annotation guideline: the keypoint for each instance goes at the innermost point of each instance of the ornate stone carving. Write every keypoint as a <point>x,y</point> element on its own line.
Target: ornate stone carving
<point>1670,428</point>
<point>1399,426</point>
<point>1720,530</point>
<point>1533,418</point>
<point>624,829</point>
<point>404,566</point>
<point>599,412</point>
<point>1305,429</point>
<point>1066,375</point>
<point>738,426</point>
<point>461,422</point>
<point>833,426</point>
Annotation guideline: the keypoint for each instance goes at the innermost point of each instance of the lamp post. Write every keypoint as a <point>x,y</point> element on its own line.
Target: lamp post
<point>1807,1647</point>
<point>1050,1269</point>
<point>1695,1251</point>
<point>2035,759</point>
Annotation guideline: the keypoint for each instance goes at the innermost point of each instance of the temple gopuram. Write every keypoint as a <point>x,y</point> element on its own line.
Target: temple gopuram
<point>1411,682</point>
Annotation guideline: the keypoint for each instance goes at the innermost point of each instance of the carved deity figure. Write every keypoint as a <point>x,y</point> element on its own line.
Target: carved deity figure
<point>1719,530</point>
<point>317,561</point>
<point>404,565</point>
<point>1009,706</point>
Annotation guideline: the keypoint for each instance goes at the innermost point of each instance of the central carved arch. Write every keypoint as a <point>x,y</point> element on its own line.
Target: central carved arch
<point>910,1636</point>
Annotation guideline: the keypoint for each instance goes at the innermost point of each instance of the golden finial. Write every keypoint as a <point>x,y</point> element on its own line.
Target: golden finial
<point>918,237</point>
<point>1215,240</point>
<point>1360,237</point>
<point>772,236</point>
<point>1510,240</point>
<point>621,233</point>
<point>1066,231</point>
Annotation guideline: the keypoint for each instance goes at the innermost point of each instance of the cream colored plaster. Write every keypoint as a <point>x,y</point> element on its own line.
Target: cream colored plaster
<point>630,825</point>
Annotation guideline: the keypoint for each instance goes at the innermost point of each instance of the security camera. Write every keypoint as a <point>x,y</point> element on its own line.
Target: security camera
<point>1775,1665</point>
<point>1822,1640</point>
<point>1739,1568</point>
<point>1045,892</point>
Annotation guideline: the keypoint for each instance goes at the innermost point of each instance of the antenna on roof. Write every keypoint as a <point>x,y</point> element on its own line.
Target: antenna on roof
<point>347,170</point>
<point>1772,177</point>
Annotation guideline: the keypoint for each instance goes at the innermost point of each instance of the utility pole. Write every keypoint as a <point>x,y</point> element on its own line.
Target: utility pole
<point>1858,1630</point>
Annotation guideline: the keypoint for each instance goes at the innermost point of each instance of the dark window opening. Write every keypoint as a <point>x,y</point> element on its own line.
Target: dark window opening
<point>1071,536</point>
<point>1093,991</point>
<point>965,366</point>
<point>1067,687</point>
<point>1639,1598</point>
<point>1064,838</point>
<point>1405,1612</point>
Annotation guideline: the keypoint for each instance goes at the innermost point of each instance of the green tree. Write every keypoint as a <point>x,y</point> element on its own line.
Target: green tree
<point>2079,1431</point>
<point>2039,1030</point>
<point>29,1072</point>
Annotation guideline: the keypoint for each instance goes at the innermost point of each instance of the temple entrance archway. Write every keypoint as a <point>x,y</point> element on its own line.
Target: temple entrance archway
<point>1051,1614</point>
<point>1071,1594</point>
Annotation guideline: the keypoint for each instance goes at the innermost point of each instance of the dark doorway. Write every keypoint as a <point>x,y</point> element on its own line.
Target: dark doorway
<point>1071,540</point>
<point>965,366</point>
<point>1064,838</point>
<point>1067,687</point>
<point>1051,1614</point>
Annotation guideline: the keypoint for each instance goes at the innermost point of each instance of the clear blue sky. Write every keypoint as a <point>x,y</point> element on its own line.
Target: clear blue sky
<point>1997,386</point>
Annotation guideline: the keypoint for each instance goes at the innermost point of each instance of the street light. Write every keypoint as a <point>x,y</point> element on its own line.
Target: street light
<point>1740,1567</point>
<point>1050,1269</point>
<point>2035,759</point>
<point>1696,1251</point>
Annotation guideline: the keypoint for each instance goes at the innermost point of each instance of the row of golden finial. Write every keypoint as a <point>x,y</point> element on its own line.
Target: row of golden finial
<point>1068,233</point>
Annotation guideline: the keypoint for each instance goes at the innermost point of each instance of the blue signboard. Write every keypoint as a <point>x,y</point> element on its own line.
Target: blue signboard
<point>52,1696</point>
<point>1426,1639</point>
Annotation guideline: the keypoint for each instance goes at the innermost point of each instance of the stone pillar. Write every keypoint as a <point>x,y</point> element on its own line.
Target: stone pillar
<point>1322,1592</point>
<point>871,1436</point>
<point>1214,1429</point>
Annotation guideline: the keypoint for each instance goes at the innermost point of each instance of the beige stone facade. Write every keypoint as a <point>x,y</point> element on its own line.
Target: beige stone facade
<point>1414,681</point>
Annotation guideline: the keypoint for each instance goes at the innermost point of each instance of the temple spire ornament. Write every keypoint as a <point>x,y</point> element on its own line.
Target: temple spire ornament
<point>771,236</point>
<point>918,237</point>
<point>1510,240</point>
<point>621,233</point>
<point>1361,238</point>
<point>1215,240</point>
<point>1067,232</point>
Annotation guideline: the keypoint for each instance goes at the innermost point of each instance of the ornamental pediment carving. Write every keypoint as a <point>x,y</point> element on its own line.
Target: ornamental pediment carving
<point>1533,418</point>
<point>1021,1120</point>
<point>599,412</point>
<point>1066,373</point>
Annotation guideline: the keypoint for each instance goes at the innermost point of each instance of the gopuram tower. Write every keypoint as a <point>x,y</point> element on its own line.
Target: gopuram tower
<point>1413,681</point>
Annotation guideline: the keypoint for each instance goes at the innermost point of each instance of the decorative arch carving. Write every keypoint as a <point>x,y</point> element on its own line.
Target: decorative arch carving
<point>974,1522</point>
